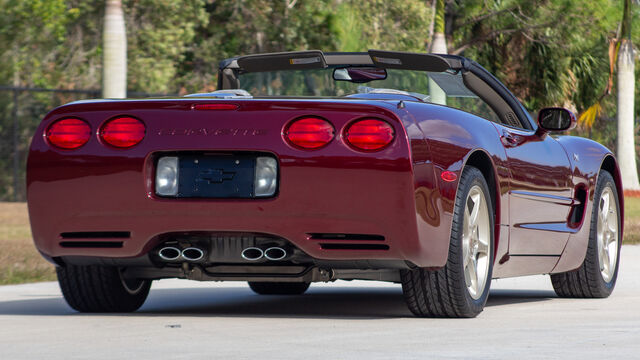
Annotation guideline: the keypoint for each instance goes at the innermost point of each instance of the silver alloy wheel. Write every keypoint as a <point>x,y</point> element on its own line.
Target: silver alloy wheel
<point>607,234</point>
<point>476,242</point>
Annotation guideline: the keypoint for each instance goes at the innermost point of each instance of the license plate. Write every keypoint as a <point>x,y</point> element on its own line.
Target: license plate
<point>216,176</point>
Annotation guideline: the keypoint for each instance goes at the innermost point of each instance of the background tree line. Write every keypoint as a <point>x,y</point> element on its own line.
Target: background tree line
<point>548,52</point>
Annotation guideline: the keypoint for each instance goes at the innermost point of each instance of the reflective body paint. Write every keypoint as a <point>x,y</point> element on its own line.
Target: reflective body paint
<point>397,192</point>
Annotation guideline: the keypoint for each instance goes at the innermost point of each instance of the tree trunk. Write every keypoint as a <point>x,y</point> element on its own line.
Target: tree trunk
<point>114,71</point>
<point>626,143</point>
<point>438,46</point>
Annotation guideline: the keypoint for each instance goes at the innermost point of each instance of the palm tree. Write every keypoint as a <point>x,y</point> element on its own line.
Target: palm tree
<point>114,72</point>
<point>626,92</point>
<point>438,46</point>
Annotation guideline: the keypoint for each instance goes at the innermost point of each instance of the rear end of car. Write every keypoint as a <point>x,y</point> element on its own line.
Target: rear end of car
<point>292,172</point>
<point>294,182</point>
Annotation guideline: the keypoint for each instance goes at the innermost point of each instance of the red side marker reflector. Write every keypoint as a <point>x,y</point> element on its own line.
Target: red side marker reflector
<point>68,133</point>
<point>448,176</point>
<point>215,107</point>
<point>123,132</point>
<point>309,133</point>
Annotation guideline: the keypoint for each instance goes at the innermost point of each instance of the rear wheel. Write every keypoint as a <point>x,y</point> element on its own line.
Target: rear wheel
<point>101,289</point>
<point>461,287</point>
<point>279,288</point>
<point>597,275</point>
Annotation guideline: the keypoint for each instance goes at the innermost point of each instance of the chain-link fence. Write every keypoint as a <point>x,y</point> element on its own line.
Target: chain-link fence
<point>21,110</point>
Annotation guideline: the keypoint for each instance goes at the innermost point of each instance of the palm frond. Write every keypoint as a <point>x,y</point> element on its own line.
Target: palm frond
<point>588,117</point>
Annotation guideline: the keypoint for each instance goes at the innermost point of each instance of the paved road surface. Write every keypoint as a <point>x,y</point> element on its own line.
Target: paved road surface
<point>343,320</point>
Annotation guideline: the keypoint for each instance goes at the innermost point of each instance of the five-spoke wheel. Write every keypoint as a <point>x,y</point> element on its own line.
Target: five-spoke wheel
<point>476,234</point>
<point>607,234</point>
<point>461,287</point>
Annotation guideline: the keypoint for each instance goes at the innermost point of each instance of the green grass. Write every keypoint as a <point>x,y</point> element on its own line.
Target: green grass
<point>20,262</point>
<point>631,220</point>
<point>632,207</point>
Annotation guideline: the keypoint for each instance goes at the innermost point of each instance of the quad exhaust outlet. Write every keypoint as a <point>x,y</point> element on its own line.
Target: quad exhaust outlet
<point>172,253</point>
<point>194,254</point>
<point>274,253</point>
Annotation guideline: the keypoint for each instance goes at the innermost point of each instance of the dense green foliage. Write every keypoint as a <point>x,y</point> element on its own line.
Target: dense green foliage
<point>401,25</point>
<point>58,43</point>
<point>549,52</point>
<point>233,28</point>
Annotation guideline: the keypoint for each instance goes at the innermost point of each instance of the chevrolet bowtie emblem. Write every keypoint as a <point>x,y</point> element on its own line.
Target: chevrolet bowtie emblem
<point>215,176</point>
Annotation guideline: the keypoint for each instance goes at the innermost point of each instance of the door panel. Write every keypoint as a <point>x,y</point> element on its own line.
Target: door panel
<point>540,193</point>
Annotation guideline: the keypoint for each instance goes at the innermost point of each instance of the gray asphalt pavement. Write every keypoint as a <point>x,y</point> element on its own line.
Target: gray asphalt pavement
<point>342,320</point>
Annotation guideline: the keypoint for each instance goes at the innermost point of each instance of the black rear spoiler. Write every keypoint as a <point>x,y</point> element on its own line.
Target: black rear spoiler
<point>298,60</point>
<point>316,59</point>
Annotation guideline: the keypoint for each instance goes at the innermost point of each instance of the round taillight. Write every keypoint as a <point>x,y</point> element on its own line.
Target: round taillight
<point>309,133</point>
<point>369,134</point>
<point>123,132</point>
<point>68,133</point>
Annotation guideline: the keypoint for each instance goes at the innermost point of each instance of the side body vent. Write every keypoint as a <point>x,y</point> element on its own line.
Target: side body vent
<point>94,239</point>
<point>340,241</point>
<point>576,216</point>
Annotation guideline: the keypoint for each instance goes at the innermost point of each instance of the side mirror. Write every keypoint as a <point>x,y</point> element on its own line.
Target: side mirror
<point>357,74</point>
<point>556,119</point>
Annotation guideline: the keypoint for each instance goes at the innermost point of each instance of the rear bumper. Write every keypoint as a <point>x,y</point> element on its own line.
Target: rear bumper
<point>331,190</point>
<point>313,198</point>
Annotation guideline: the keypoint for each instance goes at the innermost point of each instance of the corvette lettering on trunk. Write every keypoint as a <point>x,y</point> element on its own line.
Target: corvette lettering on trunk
<point>212,132</point>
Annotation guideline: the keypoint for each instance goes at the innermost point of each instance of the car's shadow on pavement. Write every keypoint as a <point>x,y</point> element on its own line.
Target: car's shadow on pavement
<point>325,302</point>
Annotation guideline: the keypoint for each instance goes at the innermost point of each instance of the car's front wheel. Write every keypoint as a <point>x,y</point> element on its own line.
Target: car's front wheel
<point>99,289</point>
<point>597,275</point>
<point>461,287</point>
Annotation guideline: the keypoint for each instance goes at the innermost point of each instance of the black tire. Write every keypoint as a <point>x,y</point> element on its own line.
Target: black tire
<point>443,292</point>
<point>587,281</point>
<point>279,288</point>
<point>101,289</point>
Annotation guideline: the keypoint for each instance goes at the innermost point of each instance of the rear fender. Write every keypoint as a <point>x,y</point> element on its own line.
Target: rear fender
<point>454,138</point>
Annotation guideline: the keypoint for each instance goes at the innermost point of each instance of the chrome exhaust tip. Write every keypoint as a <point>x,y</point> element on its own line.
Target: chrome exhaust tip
<point>252,253</point>
<point>275,253</point>
<point>192,254</point>
<point>169,253</point>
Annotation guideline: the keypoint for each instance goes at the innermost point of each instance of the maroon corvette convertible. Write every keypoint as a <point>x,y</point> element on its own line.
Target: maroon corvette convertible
<point>418,169</point>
